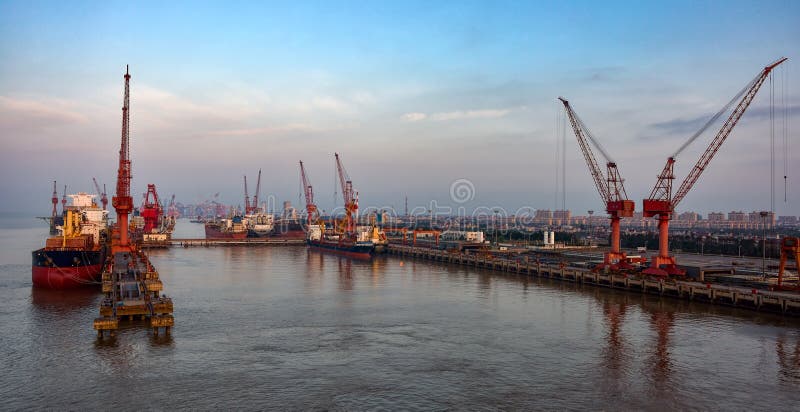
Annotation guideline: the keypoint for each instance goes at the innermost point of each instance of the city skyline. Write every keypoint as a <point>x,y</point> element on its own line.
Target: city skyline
<point>413,96</point>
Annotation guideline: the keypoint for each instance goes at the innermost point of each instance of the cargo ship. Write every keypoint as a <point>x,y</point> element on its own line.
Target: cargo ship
<point>358,248</point>
<point>75,256</point>
<point>233,228</point>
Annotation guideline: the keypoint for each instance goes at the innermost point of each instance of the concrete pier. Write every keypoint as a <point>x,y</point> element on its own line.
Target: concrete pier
<point>786,303</point>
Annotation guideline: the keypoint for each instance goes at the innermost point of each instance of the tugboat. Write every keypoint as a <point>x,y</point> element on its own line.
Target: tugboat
<point>74,257</point>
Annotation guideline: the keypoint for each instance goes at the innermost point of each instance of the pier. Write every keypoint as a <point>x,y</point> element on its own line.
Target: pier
<point>223,242</point>
<point>786,303</point>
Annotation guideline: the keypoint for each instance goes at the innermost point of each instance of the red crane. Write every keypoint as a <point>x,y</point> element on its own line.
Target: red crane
<point>662,202</point>
<point>311,208</point>
<point>610,186</point>
<point>152,211</point>
<point>54,199</point>
<point>350,197</point>
<point>122,201</point>
<point>64,200</point>
<point>103,198</point>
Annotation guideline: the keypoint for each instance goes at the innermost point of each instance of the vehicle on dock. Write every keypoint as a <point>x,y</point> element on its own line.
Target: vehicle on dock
<point>74,257</point>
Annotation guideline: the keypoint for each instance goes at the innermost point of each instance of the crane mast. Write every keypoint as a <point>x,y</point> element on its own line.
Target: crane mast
<point>349,195</point>
<point>64,200</point>
<point>610,187</point>
<point>662,203</point>
<point>122,201</point>
<point>308,191</point>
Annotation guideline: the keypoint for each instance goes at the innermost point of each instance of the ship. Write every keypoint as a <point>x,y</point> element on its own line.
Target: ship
<point>259,224</point>
<point>233,228</point>
<point>359,247</point>
<point>75,256</point>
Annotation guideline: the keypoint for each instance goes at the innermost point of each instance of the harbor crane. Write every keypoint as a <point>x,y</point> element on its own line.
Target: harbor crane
<point>152,210</point>
<point>610,187</point>
<point>251,207</point>
<point>54,199</point>
<point>103,197</point>
<point>122,200</point>
<point>662,201</point>
<point>350,198</point>
<point>64,200</point>
<point>246,198</point>
<point>308,191</point>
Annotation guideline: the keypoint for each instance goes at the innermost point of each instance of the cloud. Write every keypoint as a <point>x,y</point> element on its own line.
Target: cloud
<point>691,125</point>
<point>270,130</point>
<point>414,117</point>
<point>33,115</point>
<point>456,115</point>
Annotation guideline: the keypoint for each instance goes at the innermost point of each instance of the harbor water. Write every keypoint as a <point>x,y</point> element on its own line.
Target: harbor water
<point>285,328</point>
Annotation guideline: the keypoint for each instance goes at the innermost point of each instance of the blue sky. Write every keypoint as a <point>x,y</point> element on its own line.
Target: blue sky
<point>414,95</point>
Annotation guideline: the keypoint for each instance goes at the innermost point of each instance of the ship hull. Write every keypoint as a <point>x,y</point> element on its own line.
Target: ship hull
<point>214,233</point>
<point>66,269</point>
<point>355,251</point>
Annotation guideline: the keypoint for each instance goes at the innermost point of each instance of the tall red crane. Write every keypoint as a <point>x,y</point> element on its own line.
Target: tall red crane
<point>311,208</point>
<point>54,199</point>
<point>103,198</point>
<point>610,187</point>
<point>151,211</point>
<point>350,197</point>
<point>122,201</point>
<point>662,202</point>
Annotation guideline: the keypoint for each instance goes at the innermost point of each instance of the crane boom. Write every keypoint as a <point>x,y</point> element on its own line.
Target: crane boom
<point>722,134</point>
<point>258,189</point>
<point>247,209</point>
<point>581,133</point>
<point>349,195</point>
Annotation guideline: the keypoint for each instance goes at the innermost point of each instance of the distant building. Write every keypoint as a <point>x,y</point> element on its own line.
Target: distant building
<point>716,216</point>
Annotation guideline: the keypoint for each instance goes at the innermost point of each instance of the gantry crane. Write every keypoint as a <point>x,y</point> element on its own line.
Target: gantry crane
<point>122,200</point>
<point>350,198</point>
<point>662,202</point>
<point>308,191</point>
<point>790,250</point>
<point>152,210</point>
<point>103,197</point>
<point>610,186</point>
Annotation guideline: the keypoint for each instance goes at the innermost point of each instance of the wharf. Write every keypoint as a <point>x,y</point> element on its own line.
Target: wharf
<point>223,242</point>
<point>786,303</point>
<point>132,291</point>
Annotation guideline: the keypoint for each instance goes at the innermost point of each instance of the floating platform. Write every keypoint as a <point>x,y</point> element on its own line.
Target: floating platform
<point>786,303</point>
<point>132,291</point>
<point>224,242</point>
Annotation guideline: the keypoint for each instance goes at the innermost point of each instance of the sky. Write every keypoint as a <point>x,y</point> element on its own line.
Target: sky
<point>417,97</point>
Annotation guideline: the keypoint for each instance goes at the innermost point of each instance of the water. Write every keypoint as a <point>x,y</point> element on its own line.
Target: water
<point>285,328</point>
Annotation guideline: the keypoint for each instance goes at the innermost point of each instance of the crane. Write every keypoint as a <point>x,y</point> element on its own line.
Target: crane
<point>122,201</point>
<point>662,202</point>
<point>54,199</point>
<point>103,198</point>
<point>350,197</point>
<point>610,187</point>
<point>254,205</point>
<point>152,211</point>
<point>246,198</point>
<point>64,200</point>
<point>311,208</point>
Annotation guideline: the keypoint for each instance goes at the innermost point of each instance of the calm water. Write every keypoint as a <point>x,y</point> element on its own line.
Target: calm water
<point>285,328</point>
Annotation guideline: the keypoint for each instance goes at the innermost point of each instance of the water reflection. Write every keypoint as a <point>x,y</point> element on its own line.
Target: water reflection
<point>788,358</point>
<point>62,303</point>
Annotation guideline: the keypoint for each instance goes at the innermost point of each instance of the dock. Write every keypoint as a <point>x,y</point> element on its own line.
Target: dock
<point>202,242</point>
<point>786,303</point>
